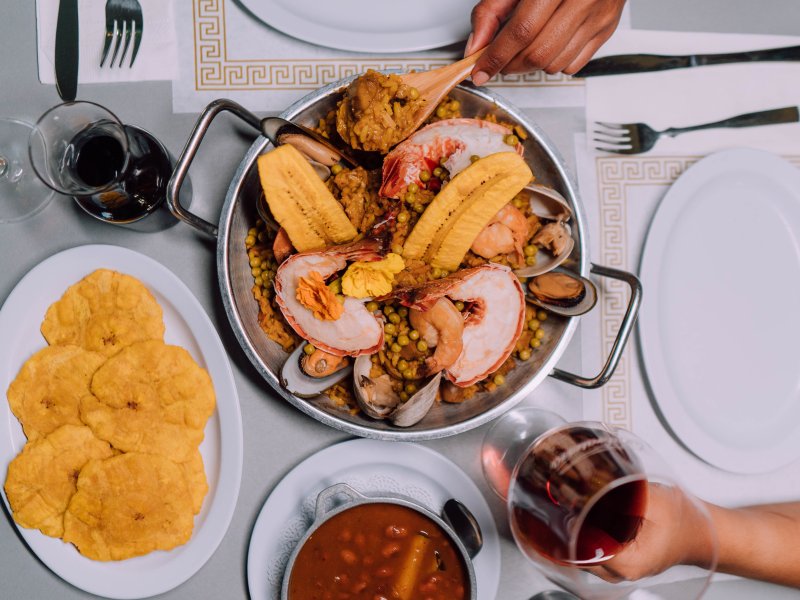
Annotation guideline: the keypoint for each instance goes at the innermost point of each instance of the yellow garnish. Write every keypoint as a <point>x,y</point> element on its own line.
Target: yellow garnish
<point>371,279</point>
<point>318,298</point>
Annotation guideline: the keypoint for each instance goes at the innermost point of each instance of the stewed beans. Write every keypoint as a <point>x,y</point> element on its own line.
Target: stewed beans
<point>378,551</point>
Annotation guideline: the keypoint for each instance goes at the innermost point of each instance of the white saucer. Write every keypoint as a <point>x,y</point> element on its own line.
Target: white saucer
<point>369,466</point>
<point>720,320</point>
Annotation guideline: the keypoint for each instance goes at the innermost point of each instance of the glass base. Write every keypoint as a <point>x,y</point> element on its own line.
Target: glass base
<point>22,194</point>
<point>139,201</point>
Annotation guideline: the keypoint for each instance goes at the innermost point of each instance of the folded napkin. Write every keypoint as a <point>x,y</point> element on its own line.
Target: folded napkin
<point>225,52</point>
<point>621,193</point>
<point>157,58</point>
<point>693,96</point>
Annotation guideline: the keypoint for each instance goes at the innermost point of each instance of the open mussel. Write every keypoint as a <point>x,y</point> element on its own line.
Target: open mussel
<point>377,399</point>
<point>555,236</point>
<point>562,293</point>
<point>308,376</point>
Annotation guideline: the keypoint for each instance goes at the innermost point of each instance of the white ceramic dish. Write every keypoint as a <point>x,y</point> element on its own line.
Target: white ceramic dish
<point>371,467</point>
<point>368,25</point>
<point>187,325</point>
<point>720,324</point>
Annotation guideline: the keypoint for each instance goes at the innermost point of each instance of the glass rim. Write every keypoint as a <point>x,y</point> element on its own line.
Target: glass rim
<point>89,190</point>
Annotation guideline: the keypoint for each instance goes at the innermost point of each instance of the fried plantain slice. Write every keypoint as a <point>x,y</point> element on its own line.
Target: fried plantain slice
<point>42,478</point>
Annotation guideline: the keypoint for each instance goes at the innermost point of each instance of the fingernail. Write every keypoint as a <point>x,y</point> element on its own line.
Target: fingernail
<point>480,78</point>
<point>468,47</point>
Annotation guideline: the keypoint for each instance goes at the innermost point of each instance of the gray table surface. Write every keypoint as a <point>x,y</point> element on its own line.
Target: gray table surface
<point>276,436</point>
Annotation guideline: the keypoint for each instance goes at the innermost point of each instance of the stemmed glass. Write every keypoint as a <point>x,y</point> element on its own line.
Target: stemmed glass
<point>117,173</point>
<point>22,194</point>
<point>591,505</point>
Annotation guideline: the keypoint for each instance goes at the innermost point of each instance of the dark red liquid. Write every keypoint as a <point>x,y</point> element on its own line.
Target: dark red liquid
<point>553,487</point>
<point>99,160</point>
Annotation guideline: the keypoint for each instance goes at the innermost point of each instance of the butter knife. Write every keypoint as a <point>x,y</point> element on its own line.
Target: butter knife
<point>623,64</point>
<point>66,59</point>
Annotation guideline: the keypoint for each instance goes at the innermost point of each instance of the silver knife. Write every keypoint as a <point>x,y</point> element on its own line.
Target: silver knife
<point>622,64</point>
<point>67,50</point>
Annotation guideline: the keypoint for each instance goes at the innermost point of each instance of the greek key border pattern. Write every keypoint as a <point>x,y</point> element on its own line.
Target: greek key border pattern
<point>614,176</point>
<point>216,70</point>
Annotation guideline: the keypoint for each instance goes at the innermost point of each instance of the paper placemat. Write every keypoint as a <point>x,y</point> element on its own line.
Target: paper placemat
<point>224,52</point>
<point>158,53</point>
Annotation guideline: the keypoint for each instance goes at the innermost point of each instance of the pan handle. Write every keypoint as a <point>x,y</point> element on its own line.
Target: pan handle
<point>187,156</point>
<point>624,333</point>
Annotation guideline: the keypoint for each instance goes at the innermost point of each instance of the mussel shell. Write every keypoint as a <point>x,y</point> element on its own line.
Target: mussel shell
<point>295,381</point>
<point>566,307</point>
<point>402,414</point>
<point>545,261</point>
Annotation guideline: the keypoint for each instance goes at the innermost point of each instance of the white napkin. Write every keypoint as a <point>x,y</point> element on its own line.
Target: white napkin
<point>682,97</point>
<point>621,193</point>
<point>224,52</point>
<point>157,58</point>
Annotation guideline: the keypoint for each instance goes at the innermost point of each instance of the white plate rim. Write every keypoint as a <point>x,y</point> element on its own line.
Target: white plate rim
<point>362,452</point>
<point>271,13</point>
<point>127,583</point>
<point>663,396</point>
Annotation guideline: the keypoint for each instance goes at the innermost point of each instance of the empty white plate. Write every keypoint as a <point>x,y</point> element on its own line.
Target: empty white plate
<point>720,320</point>
<point>369,25</point>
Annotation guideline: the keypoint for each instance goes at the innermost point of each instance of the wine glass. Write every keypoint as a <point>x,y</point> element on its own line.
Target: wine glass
<point>116,173</point>
<point>22,194</point>
<point>588,502</point>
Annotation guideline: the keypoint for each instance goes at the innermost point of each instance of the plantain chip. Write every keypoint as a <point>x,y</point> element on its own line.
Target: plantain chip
<point>104,312</point>
<point>129,505</point>
<point>195,473</point>
<point>42,478</point>
<point>47,390</point>
<point>151,397</point>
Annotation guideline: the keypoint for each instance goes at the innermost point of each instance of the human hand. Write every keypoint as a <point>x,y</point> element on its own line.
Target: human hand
<point>552,35</point>
<point>673,532</point>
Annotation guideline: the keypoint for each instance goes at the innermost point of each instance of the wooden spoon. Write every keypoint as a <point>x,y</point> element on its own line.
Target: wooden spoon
<point>435,84</point>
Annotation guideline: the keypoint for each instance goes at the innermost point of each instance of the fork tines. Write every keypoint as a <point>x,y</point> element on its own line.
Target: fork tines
<point>123,21</point>
<point>615,137</point>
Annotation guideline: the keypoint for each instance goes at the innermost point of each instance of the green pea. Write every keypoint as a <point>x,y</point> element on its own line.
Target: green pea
<point>390,328</point>
<point>422,346</point>
<point>309,349</point>
<point>413,187</point>
<point>438,172</point>
<point>499,379</point>
<point>372,306</point>
<point>459,306</point>
<point>396,348</point>
<point>530,261</point>
<point>541,315</point>
<point>441,112</point>
<point>425,176</point>
<point>413,334</point>
<point>394,318</point>
<point>407,374</point>
<point>402,311</point>
<point>524,354</point>
<point>403,396</point>
<point>455,105</point>
<point>250,241</point>
<point>402,217</point>
<point>402,365</point>
<point>535,343</point>
<point>413,93</point>
<point>539,334</point>
<point>411,388</point>
<point>533,324</point>
<point>388,309</point>
<point>511,139</point>
<point>336,169</point>
<point>531,250</point>
<point>258,281</point>
<point>403,340</point>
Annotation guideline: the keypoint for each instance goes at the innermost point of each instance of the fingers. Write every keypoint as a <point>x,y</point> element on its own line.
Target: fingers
<point>528,19</point>
<point>487,17</point>
<point>585,55</point>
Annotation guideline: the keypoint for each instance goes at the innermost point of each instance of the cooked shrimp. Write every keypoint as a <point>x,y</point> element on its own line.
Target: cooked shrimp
<point>456,140</point>
<point>494,320</point>
<point>356,331</point>
<point>321,364</point>
<point>506,233</point>
<point>441,327</point>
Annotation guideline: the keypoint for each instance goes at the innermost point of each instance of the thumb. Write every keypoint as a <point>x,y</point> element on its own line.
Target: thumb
<point>487,17</point>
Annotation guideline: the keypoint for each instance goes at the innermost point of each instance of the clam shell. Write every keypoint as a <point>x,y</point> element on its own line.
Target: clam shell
<point>584,306</point>
<point>377,399</point>
<point>295,381</point>
<point>545,261</point>
<point>547,203</point>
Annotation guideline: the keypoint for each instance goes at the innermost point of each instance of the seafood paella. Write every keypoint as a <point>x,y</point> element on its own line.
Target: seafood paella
<point>426,279</point>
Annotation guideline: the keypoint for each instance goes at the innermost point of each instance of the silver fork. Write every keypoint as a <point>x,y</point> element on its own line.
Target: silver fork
<point>123,20</point>
<point>635,138</point>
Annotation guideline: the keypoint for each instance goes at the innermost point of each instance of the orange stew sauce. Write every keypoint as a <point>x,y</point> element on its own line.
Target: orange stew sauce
<point>378,551</point>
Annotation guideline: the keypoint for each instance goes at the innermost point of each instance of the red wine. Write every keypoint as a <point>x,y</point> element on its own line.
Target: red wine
<point>558,479</point>
<point>98,160</point>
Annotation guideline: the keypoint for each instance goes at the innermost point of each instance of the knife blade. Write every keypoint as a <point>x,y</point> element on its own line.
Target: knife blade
<point>67,50</point>
<point>624,64</point>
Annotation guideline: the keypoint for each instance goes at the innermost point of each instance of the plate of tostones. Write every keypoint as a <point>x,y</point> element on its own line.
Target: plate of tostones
<point>124,448</point>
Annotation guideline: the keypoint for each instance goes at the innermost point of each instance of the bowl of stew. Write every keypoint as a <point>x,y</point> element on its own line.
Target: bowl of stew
<point>387,547</point>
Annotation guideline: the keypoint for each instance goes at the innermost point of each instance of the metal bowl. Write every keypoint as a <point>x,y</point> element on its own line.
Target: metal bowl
<point>323,513</point>
<point>235,280</point>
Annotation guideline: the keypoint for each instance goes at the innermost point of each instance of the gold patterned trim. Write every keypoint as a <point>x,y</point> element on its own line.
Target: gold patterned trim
<point>215,70</point>
<point>615,175</point>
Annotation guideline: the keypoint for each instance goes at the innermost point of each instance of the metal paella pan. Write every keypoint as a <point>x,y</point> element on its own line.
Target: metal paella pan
<point>235,279</point>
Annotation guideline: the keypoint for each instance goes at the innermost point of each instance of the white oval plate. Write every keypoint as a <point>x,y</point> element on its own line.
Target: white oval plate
<point>720,322</point>
<point>369,25</point>
<point>371,467</point>
<point>187,325</point>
